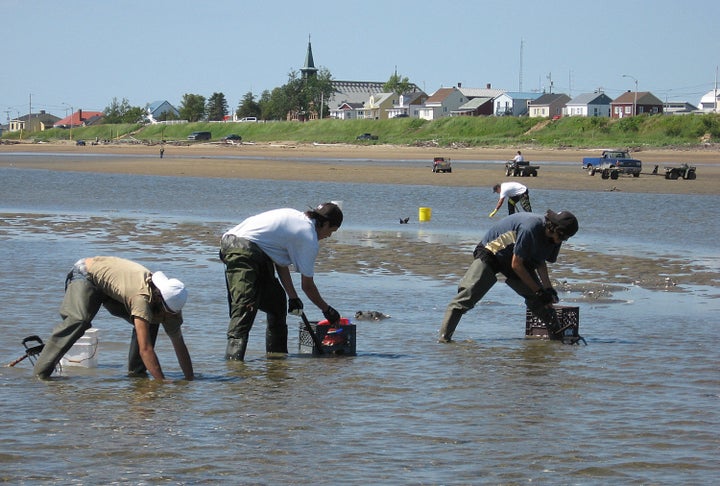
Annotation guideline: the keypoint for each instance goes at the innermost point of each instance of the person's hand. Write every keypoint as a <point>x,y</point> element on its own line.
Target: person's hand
<point>295,306</point>
<point>544,296</point>
<point>553,292</point>
<point>492,213</point>
<point>331,315</point>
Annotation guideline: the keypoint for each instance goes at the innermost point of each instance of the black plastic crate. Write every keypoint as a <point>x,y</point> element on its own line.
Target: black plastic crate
<point>345,346</point>
<point>569,318</point>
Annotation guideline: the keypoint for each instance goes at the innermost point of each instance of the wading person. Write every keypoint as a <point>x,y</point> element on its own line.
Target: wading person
<point>128,290</point>
<point>518,246</point>
<point>257,254</point>
<point>515,193</point>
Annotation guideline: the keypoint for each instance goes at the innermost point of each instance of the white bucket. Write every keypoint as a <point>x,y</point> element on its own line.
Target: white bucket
<point>84,352</point>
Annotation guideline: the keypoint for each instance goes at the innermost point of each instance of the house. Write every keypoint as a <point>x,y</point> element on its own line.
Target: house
<point>514,103</point>
<point>35,122</point>
<point>635,103</point>
<point>679,108</point>
<point>710,103</point>
<point>161,111</point>
<point>408,104</point>
<point>79,119</point>
<point>589,104</point>
<point>378,106</point>
<point>549,105</point>
<point>442,103</point>
<point>482,106</point>
<point>347,111</point>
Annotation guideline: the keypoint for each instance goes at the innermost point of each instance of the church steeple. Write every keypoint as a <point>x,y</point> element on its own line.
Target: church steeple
<point>309,68</point>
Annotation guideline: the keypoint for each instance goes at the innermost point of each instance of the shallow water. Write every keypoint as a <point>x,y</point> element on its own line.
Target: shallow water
<point>637,405</point>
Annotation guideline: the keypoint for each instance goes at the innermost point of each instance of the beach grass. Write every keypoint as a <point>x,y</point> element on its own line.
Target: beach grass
<point>643,131</point>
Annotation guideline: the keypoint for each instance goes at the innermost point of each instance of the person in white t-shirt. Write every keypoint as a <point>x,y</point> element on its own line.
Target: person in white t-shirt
<point>515,193</point>
<point>519,157</point>
<point>257,255</point>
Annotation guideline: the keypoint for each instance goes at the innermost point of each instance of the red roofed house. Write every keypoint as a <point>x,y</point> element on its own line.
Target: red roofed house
<point>79,119</point>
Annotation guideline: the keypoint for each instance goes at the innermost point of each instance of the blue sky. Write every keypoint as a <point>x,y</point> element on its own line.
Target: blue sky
<point>82,53</point>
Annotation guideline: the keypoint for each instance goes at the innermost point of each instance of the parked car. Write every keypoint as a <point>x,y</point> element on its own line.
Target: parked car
<point>80,143</point>
<point>232,138</point>
<point>367,136</point>
<point>248,119</point>
<point>401,115</point>
<point>200,136</point>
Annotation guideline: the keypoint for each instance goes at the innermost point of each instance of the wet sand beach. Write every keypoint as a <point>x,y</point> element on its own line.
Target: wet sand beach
<point>559,168</point>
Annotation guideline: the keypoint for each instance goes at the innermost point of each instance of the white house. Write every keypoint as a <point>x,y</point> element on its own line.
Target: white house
<point>158,110</point>
<point>589,104</point>
<point>549,105</point>
<point>710,103</point>
<point>442,103</point>
<point>514,103</point>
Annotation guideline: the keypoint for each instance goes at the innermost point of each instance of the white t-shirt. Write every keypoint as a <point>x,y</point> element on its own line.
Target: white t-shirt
<point>286,235</point>
<point>519,158</point>
<point>509,189</point>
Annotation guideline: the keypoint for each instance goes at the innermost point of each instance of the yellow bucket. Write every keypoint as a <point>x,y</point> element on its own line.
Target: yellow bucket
<point>424,214</point>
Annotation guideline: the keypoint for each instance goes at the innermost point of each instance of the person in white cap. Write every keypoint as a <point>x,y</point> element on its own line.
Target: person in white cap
<point>127,290</point>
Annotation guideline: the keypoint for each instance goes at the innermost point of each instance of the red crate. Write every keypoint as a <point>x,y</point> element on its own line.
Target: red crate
<point>345,348</point>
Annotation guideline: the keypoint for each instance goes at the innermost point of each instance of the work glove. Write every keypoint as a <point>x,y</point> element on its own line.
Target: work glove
<point>331,315</point>
<point>295,307</point>
<point>492,213</point>
<point>544,296</point>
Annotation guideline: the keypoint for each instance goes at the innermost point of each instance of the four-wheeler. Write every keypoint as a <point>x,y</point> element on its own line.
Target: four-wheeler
<point>520,169</point>
<point>441,164</point>
<point>683,172</point>
<point>367,136</point>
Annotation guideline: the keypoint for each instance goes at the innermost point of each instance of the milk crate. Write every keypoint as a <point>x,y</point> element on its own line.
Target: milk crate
<point>341,342</point>
<point>569,318</point>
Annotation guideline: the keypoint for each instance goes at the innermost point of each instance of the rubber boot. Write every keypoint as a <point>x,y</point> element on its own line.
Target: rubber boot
<point>276,335</point>
<point>450,322</point>
<point>235,350</point>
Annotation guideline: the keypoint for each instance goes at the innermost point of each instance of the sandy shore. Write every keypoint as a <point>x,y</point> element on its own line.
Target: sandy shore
<point>559,168</point>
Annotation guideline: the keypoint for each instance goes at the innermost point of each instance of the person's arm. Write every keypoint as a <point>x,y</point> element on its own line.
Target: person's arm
<point>286,281</point>
<point>146,349</point>
<point>518,266</point>
<point>183,356</point>
<point>542,271</point>
<point>312,292</point>
<point>497,207</point>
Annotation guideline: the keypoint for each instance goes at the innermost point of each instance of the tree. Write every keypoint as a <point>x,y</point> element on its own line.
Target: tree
<point>217,107</point>
<point>192,107</point>
<point>122,112</point>
<point>397,84</point>
<point>248,107</point>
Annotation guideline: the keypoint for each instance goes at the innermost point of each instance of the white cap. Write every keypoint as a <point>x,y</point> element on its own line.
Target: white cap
<point>172,290</point>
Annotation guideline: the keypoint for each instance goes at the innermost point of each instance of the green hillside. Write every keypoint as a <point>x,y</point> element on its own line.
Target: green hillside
<point>577,132</point>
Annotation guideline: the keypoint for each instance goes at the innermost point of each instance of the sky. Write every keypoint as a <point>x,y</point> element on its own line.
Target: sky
<point>83,53</point>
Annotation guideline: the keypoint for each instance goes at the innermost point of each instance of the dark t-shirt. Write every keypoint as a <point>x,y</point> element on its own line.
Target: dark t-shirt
<point>521,234</point>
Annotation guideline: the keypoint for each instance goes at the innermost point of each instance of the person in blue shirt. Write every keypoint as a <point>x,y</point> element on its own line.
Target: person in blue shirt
<point>518,246</point>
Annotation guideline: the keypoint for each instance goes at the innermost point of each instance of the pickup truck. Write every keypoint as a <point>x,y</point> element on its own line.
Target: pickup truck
<point>612,163</point>
<point>367,136</point>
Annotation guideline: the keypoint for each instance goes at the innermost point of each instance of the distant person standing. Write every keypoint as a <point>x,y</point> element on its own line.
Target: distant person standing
<point>162,152</point>
<point>515,193</point>
<point>518,158</point>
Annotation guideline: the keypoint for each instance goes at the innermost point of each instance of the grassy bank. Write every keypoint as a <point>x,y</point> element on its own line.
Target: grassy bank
<point>642,131</point>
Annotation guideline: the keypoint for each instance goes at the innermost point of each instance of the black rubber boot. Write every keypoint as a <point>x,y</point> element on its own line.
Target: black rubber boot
<point>235,350</point>
<point>450,321</point>
<point>276,335</point>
